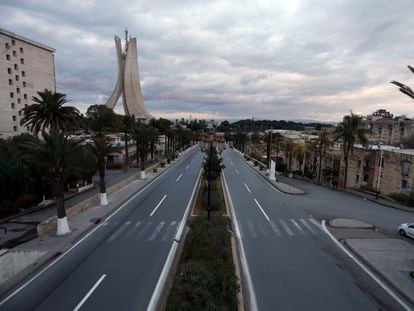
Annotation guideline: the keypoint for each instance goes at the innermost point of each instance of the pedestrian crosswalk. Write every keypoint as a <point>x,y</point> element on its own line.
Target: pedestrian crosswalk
<point>162,231</point>
<point>278,227</point>
<point>165,231</point>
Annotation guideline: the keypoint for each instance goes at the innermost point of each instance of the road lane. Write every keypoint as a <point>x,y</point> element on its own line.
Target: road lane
<point>130,249</point>
<point>292,263</point>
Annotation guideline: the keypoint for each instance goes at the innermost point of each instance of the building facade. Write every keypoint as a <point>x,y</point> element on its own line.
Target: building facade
<point>387,129</point>
<point>26,67</point>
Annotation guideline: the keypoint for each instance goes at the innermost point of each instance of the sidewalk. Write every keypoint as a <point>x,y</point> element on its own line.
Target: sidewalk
<point>22,227</point>
<point>281,186</point>
<point>380,200</point>
<point>24,259</point>
<point>391,259</point>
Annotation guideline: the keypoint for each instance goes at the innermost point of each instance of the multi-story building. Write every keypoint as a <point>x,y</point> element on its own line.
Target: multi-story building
<point>26,67</point>
<point>387,129</point>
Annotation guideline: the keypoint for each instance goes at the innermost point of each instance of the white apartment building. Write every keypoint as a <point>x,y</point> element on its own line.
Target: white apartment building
<point>26,67</point>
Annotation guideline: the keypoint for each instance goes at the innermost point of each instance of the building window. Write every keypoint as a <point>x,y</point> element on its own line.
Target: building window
<point>357,179</point>
<point>17,78</point>
<point>13,42</point>
<point>24,83</point>
<point>366,177</point>
<point>7,56</point>
<point>20,112</point>
<point>406,168</point>
<point>18,90</point>
<point>9,70</point>
<point>27,128</point>
<point>404,185</point>
<point>25,96</point>
<point>16,67</point>
<point>12,105</point>
<point>15,128</point>
<point>359,164</point>
<point>11,95</point>
<point>21,50</point>
<point>14,118</point>
<point>19,100</point>
<point>14,53</point>
<point>7,45</point>
<point>10,82</point>
<point>21,61</point>
<point>23,74</point>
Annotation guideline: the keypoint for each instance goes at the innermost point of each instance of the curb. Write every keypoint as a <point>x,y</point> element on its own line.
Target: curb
<point>8,287</point>
<point>270,183</point>
<point>379,273</point>
<point>249,296</point>
<point>380,203</point>
<point>391,289</point>
<point>235,254</point>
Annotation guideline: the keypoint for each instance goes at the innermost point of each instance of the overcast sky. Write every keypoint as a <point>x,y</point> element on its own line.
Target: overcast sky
<point>295,59</point>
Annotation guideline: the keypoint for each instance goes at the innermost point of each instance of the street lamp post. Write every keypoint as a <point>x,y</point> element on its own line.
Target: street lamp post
<point>379,172</point>
<point>209,180</point>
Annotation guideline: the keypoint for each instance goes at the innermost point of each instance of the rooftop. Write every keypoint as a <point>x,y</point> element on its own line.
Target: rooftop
<point>24,39</point>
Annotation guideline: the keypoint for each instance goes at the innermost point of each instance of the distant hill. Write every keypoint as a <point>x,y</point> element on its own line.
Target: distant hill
<point>250,125</point>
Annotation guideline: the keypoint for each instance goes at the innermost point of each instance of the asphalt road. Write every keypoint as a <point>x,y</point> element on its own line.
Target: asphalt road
<point>117,266</point>
<point>293,264</point>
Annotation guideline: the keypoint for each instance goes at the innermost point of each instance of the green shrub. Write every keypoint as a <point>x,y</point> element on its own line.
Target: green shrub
<point>256,163</point>
<point>162,164</point>
<point>205,278</point>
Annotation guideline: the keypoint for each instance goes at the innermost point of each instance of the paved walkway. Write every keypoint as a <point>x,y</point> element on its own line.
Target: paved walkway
<point>391,259</point>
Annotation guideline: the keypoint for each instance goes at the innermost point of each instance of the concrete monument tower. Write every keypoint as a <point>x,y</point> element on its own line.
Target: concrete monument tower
<point>128,84</point>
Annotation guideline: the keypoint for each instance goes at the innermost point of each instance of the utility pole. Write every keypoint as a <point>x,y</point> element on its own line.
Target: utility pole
<point>379,172</point>
<point>209,180</point>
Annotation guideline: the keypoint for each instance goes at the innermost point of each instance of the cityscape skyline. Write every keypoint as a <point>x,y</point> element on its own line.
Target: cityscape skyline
<point>264,59</point>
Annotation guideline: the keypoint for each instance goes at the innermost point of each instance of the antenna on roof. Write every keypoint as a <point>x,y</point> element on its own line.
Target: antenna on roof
<point>126,39</point>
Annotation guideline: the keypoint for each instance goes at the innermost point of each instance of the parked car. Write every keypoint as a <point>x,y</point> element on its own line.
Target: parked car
<point>406,230</point>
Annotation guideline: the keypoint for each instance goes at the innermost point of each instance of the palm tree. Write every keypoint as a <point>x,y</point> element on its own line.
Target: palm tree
<point>241,139</point>
<point>143,135</point>
<point>351,130</point>
<point>101,148</point>
<point>55,152</point>
<point>288,146</point>
<point>127,127</point>
<point>404,88</point>
<point>49,113</point>
<point>299,153</point>
<point>268,139</point>
<point>323,144</point>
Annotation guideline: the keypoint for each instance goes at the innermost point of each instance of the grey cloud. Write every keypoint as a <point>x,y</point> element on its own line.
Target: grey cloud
<point>230,58</point>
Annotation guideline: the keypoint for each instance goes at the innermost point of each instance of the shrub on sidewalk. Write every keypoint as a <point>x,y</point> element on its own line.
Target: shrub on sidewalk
<point>162,164</point>
<point>407,199</point>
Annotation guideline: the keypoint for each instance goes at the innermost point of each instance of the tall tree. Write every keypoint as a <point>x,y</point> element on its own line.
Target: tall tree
<point>323,144</point>
<point>351,130</point>
<point>127,127</point>
<point>55,152</point>
<point>404,88</point>
<point>288,146</point>
<point>299,153</point>
<point>143,135</point>
<point>49,113</point>
<point>101,148</point>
